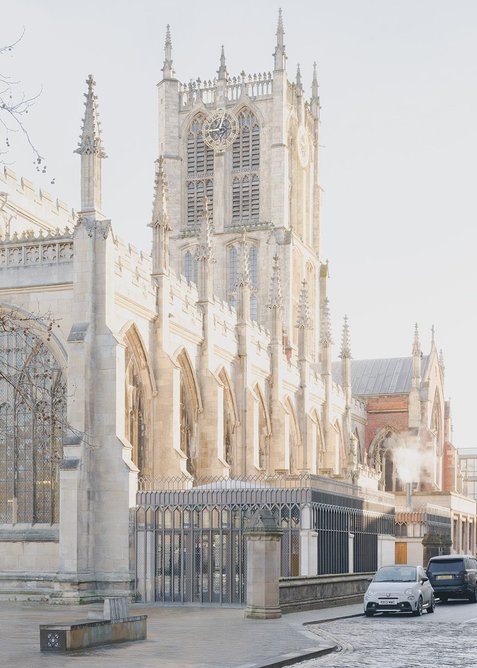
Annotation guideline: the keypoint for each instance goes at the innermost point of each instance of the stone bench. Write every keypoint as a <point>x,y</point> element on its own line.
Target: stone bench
<point>115,626</point>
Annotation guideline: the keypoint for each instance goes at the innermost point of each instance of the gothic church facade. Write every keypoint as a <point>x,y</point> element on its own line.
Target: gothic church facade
<point>209,359</point>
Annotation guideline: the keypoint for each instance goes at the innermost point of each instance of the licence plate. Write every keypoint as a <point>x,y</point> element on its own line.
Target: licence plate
<point>387,602</point>
<point>444,577</point>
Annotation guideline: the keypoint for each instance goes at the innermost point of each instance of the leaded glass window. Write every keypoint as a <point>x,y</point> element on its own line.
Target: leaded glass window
<point>32,425</point>
<point>232,275</point>
<point>245,166</point>
<point>135,424</point>
<point>200,173</point>
<point>190,267</point>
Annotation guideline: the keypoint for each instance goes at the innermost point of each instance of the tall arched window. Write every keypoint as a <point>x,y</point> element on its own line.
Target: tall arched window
<point>200,173</point>
<point>190,267</point>
<point>232,275</point>
<point>245,166</point>
<point>32,425</point>
<point>135,412</point>
<point>138,395</point>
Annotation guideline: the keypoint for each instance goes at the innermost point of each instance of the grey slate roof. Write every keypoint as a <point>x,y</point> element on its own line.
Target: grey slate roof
<point>382,376</point>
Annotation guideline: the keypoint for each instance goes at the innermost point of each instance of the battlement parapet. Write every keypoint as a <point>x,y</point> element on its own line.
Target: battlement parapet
<point>23,204</point>
<point>131,258</point>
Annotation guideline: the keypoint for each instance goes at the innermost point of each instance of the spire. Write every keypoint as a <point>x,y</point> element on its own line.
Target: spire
<point>315,100</point>
<point>205,250</point>
<point>167,68</point>
<point>416,359</point>
<point>441,362</point>
<point>90,148</point>
<point>160,216</point>
<point>325,334</point>
<point>433,335</point>
<point>416,346</point>
<point>345,352</point>
<point>314,84</point>
<point>279,53</point>
<point>222,71</point>
<point>276,299</point>
<point>90,141</point>
<point>160,221</point>
<point>303,320</point>
<point>243,275</point>
<point>298,77</point>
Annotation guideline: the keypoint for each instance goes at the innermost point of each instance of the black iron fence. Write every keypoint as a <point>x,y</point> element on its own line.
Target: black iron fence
<point>190,545</point>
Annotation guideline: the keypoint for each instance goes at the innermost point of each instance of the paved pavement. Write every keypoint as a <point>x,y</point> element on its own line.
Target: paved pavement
<point>178,637</point>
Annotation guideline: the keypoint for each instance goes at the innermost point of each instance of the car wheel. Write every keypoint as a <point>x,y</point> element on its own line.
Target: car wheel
<point>432,604</point>
<point>369,613</point>
<point>418,611</point>
<point>473,597</point>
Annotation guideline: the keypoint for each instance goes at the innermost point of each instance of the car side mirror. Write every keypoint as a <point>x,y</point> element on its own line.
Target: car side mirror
<point>424,580</point>
<point>370,579</point>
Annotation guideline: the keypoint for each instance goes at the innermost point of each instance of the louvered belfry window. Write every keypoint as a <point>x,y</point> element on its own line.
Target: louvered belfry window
<point>32,426</point>
<point>245,166</point>
<point>200,173</point>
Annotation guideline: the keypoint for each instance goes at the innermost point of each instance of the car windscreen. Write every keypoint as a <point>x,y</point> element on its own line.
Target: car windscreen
<point>446,566</point>
<point>396,574</point>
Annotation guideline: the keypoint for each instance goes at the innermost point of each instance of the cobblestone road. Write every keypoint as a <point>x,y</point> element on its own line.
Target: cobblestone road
<point>446,639</point>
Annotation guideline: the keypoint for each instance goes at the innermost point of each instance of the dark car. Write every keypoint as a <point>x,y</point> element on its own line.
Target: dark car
<point>453,576</point>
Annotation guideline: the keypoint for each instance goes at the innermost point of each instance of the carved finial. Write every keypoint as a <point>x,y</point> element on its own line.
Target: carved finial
<point>433,334</point>
<point>160,216</point>
<point>298,77</point>
<point>167,68</point>
<point>279,54</point>
<point>222,71</point>
<point>90,141</point>
<point>416,346</point>
<point>276,298</point>
<point>345,352</point>
<point>243,275</point>
<point>205,250</point>
<point>303,320</point>
<point>325,333</point>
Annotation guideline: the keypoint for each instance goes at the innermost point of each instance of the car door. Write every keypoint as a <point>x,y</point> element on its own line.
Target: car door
<point>426,587</point>
<point>472,566</point>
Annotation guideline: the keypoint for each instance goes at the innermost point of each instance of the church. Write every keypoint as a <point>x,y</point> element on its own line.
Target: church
<point>141,394</point>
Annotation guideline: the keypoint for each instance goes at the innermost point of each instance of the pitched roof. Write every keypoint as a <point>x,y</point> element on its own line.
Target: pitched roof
<point>381,376</point>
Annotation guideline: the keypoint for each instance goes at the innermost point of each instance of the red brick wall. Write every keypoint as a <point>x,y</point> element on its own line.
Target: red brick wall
<point>449,465</point>
<point>386,411</point>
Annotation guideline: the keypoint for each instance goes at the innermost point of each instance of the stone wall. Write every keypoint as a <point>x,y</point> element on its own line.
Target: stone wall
<point>322,591</point>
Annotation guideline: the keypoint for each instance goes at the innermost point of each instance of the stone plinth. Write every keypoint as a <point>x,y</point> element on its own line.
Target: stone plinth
<point>263,566</point>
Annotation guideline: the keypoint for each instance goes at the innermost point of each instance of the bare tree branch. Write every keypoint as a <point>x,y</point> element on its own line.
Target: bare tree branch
<point>14,105</point>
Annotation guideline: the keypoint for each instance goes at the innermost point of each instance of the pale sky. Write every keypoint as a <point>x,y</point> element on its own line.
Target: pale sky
<point>398,133</point>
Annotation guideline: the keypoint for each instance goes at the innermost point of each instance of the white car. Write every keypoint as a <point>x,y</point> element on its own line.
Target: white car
<point>399,588</point>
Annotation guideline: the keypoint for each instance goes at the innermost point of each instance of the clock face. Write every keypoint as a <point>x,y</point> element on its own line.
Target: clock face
<point>220,130</point>
<point>303,146</point>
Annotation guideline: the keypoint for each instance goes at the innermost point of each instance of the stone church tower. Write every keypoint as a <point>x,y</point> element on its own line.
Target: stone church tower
<point>249,145</point>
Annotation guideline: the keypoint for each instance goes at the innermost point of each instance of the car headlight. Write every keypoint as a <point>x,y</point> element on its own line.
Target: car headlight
<point>408,592</point>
